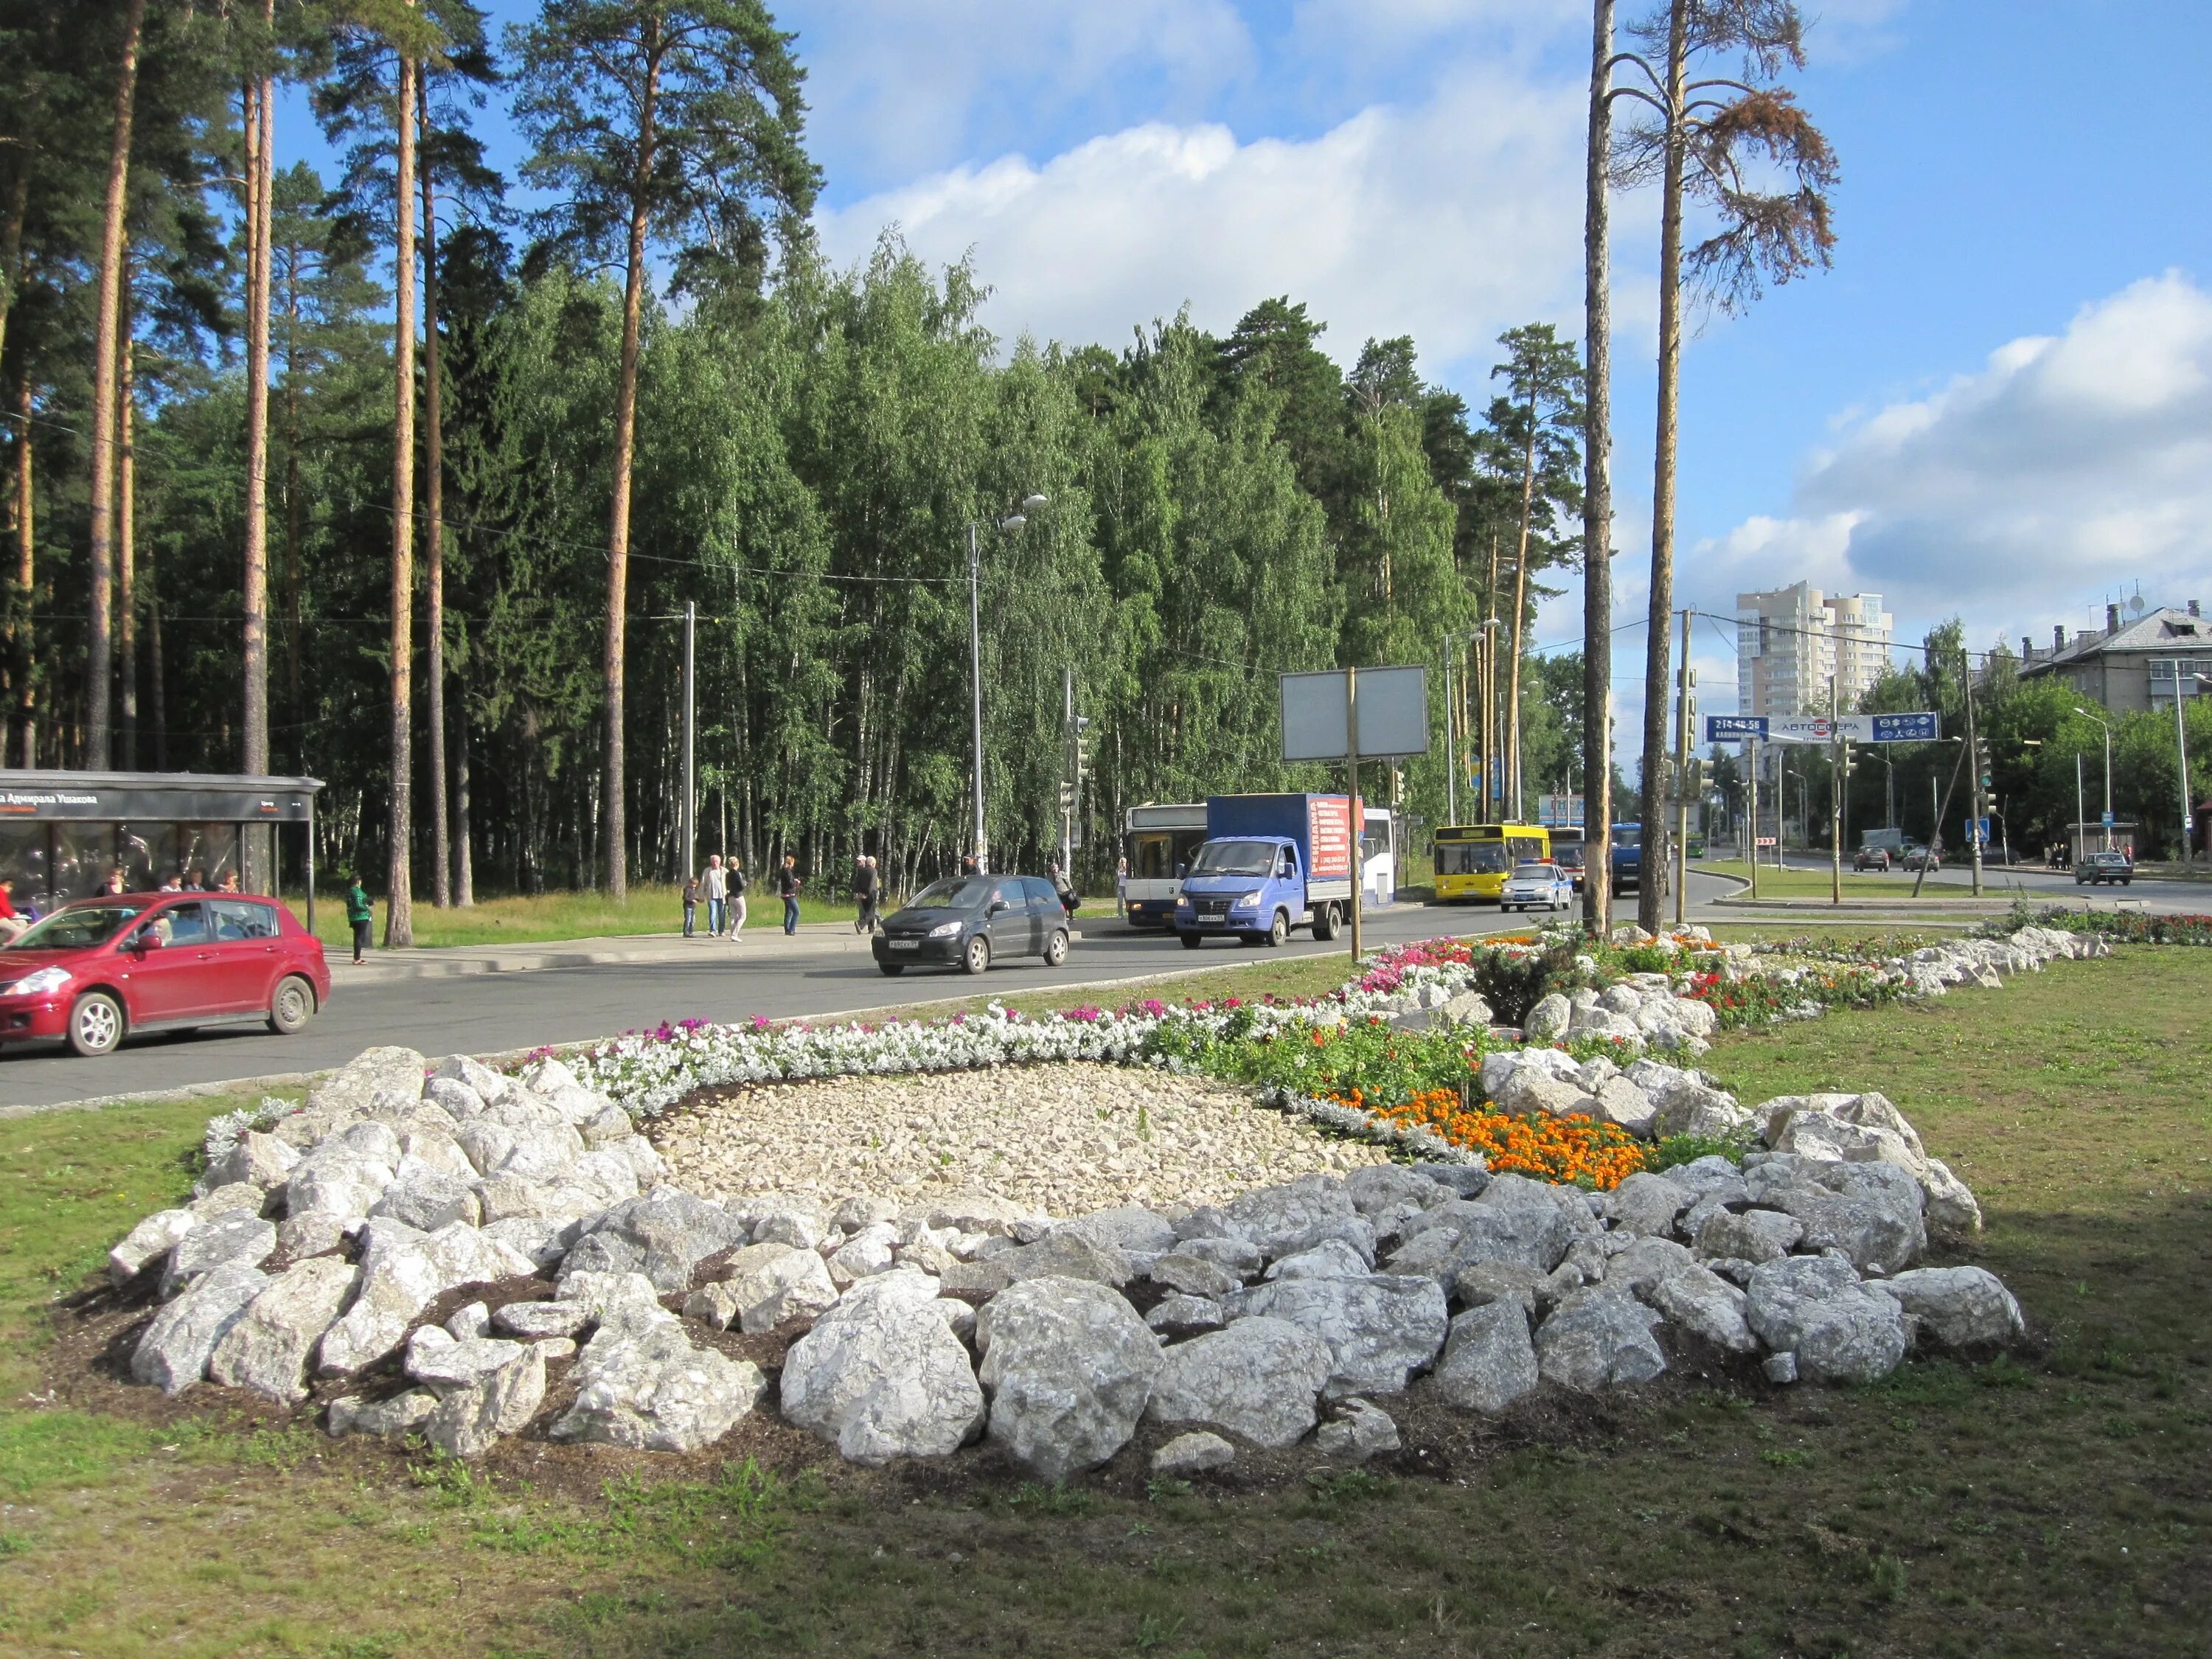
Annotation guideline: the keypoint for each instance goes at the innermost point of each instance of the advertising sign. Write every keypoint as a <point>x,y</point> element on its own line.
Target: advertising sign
<point>1559,811</point>
<point>1919,727</point>
<point>1905,728</point>
<point>1719,728</point>
<point>1328,827</point>
<point>1394,715</point>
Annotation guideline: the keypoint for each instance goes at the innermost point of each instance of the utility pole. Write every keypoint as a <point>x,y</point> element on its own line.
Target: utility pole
<point>2181,749</point>
<point>1451,747</point>
<point>1835,801</point>
<point>1686,709</point>
<point>1356,809</point>
<point>690,737</point>
<point>1073,763</point>
<point>975,684</point>
<point>1751,797</point>
<point>1978,806</point>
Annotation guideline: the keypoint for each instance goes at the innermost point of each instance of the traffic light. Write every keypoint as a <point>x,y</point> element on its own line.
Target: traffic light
<point>1083,745</point>
<point>1067,798</point>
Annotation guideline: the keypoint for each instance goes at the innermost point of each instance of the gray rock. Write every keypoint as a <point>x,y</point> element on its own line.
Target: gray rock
<point>1192,1275</point>
<point>1068,1367</point>
<point>1841,1330</point>
<point>975,1212</point>
<point>535,1321</point>
<point>1374,1189</point>
<point>646,1388</point>
<point>1695,1299</point>
<point>542,1151</point>
<point>1361,1430</point>
<point>266,1349</point>
<point>1963,1308</point>
<point>1482,1283</point>
<point>1710,1178</point>
<point>456,1099</point>
<point>621,1300</point>
<point>1488,1361</point>
<point>1952,1210</point>
<point>1524,1234</point>
<point>469,1421</point>
<point>489,1086</point>
<point>471,1320</point>
<point>1780,1368</point>
<point>1546,1022</point>
<point>1379,1329</point>
<point>802,1230</point>
<point>609,1124</point>
<point>1644,1263</point>
<point>357,1084</point>
<point>1531,1091</point>
<point>486,1143</point>
<point>1192,1453</point>
<point>1870,1212</point>
<point>1184,1316</point>
<point>1130,1227</point>
<point>174,1351</point>
<point>855,1213</point>
<point>1331,1259</point>
<point>1460,1180</point>
<point>315,1233</point>
<point>1236,1256</point>
<point>882,1376</point>
<point>259,1159</point>
<point>542,1244</point>
<point>1754,1236</point>
<point>1621,1103</point>
<point>237,1195</point>
<point>338,1180</point>
<point>429,1201</point>
<point>1599,1338</point>
<point>793,1286</point>
<point>1282,1219</point>
<point>1647,1203</point>
<point>398,1280</point>
<point>602,1253</point>
<point>871,1250</point>
<point>387,1419</point>
<point>1257,1379</point>
<point>156,1235</point>
<point>1067,1255</point>
<point>457,1363</point>
<point>239,1238</point>
<point>673,1232</point>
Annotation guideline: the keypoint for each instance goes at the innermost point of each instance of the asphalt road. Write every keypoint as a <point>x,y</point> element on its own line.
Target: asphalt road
<point>493,1013</point>
<point>2044,886</point>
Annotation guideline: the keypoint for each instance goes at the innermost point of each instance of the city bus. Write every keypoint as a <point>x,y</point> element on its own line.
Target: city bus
<point>1474,860</point>
<point>1158,842</point>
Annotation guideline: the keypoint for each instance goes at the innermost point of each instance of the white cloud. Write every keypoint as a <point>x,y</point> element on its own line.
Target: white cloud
<point>2066,470</point>
<point>1449,221</point>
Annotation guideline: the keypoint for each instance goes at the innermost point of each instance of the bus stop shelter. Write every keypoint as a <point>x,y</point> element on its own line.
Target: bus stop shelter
<point>62,834</point>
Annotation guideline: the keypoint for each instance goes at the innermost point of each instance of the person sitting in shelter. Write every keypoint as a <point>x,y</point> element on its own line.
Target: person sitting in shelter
<point>174,883</point>
<point>228,883</point>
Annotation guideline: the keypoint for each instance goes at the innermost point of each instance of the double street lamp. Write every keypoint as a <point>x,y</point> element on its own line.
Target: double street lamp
<point>1013,520</point>
<point>2086,715</point>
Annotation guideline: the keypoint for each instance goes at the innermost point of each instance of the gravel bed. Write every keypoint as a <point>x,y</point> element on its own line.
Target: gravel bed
<point>1064,1139</point>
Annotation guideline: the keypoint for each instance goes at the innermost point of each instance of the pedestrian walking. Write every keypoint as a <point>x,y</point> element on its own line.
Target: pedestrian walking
<point>716,887</point>
<point>735,881</point>
<point>787,887</point>
<point>360,913</point>
<point>1122,887</point>
<point>866,886</point>
<point>1069,898</point>
<point>691,907</point>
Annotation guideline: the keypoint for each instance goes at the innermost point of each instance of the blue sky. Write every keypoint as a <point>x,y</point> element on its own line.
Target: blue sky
<point>1997,404</point>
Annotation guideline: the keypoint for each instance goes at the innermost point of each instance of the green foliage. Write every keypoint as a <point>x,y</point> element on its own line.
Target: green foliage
<point>1673,1149</point>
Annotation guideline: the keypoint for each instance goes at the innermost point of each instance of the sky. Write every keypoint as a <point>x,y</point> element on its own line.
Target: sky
<point>1996,406</point>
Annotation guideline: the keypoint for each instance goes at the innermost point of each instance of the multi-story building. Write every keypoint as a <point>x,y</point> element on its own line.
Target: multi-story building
<point>2129,666</point>
<point>1789,642</point>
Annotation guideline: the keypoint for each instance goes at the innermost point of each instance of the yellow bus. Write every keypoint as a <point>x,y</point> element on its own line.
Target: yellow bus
<point>1474,860</point>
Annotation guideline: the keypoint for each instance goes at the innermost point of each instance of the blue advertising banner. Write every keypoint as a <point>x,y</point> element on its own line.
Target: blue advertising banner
<point>1720,728</point>
<point>1905,728</point>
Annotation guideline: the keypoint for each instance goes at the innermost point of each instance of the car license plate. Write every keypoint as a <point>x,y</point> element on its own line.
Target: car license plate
<point>905,944</point>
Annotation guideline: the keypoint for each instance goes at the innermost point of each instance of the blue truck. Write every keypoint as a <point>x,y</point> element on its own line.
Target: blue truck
<point>1269,864</point>
<point>1627,857</point>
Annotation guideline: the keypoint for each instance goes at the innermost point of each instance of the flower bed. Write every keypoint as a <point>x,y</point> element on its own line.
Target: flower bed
<point>2127,926</point>
<point>1565,1151</point>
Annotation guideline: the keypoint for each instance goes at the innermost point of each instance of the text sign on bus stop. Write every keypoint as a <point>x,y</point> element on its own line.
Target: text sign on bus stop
<point>1394,715</point>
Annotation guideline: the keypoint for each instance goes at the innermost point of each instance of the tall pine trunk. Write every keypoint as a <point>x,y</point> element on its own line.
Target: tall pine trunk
<point>434,532</point>
<point>260,191</point>
<point>99,654</point>
<point>295,707</point>
<point>126,537</point>
<point>11,238</point>
<point>1653,859</point>
<point>613,787</point>
<point>399,901</point>
<point>1520,614</point>
<point>25,659</point>
<point>1597,489</point>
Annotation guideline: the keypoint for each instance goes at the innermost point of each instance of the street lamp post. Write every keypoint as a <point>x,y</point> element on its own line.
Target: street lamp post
<point>1012,521</point>
<point>2086,714</point>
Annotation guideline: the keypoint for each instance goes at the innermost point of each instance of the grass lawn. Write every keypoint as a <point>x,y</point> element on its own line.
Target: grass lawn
<point>549,917</point>
<point>1816,884</point>
<point>2061,1502</point>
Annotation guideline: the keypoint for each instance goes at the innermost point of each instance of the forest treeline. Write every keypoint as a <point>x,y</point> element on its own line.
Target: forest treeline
<point>441,560</point>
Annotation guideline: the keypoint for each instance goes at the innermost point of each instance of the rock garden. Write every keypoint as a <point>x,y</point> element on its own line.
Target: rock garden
<point>1206,1231</point>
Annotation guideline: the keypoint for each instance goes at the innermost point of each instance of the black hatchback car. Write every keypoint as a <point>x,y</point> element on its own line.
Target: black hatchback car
<point>969,921</point>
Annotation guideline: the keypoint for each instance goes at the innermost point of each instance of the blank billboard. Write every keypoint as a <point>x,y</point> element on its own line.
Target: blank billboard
<point>1394,713</point>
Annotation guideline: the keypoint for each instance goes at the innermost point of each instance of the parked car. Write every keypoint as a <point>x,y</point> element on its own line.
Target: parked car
<point>1532,885</point>
<point>1573,858</point>
<point>97,970</point>
<point>970,922</point>
<point>1871,858</point>
<point>2093,868</point>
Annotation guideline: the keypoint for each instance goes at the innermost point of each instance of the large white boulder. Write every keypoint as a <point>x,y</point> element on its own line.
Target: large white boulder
<point>173,1352</point>
<point>266,1349</point>
<point>1256,1379</point>
<point>882,1376</point>
<point>1488,1361</point>
<point>1380,1329</point>
<point>1816,1308</point>
<point>1068,1366</point>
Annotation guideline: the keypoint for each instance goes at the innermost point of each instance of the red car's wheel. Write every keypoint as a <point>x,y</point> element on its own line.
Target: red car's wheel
<point>293,1005</point>
<point>95,1024</point>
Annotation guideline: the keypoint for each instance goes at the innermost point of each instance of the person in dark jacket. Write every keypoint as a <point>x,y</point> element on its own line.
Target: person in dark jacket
<point>690,906</point>
<point>361,914</point>
<point>1069,899</point>
<point>787,887</point>
<point>866,888</point>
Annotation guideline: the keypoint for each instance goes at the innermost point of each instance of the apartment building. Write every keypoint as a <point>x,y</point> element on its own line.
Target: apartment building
<point>1791,641</point>
<point>2129,664</point>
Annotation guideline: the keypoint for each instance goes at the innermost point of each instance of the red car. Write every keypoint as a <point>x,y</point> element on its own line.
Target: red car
<point>102,967</point>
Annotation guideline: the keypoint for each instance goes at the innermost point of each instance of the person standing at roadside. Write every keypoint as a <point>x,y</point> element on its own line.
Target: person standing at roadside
<point>865,889</point>
<point>787,887</point>
<point>1122,887</point>
<point>1066,889</point>
<point>735,880</point>
<point>715,886</point>
<point>360,913</point>
<point>690,906</point>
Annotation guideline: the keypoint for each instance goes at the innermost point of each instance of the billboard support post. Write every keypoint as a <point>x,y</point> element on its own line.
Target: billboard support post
<point>1358,807</point>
